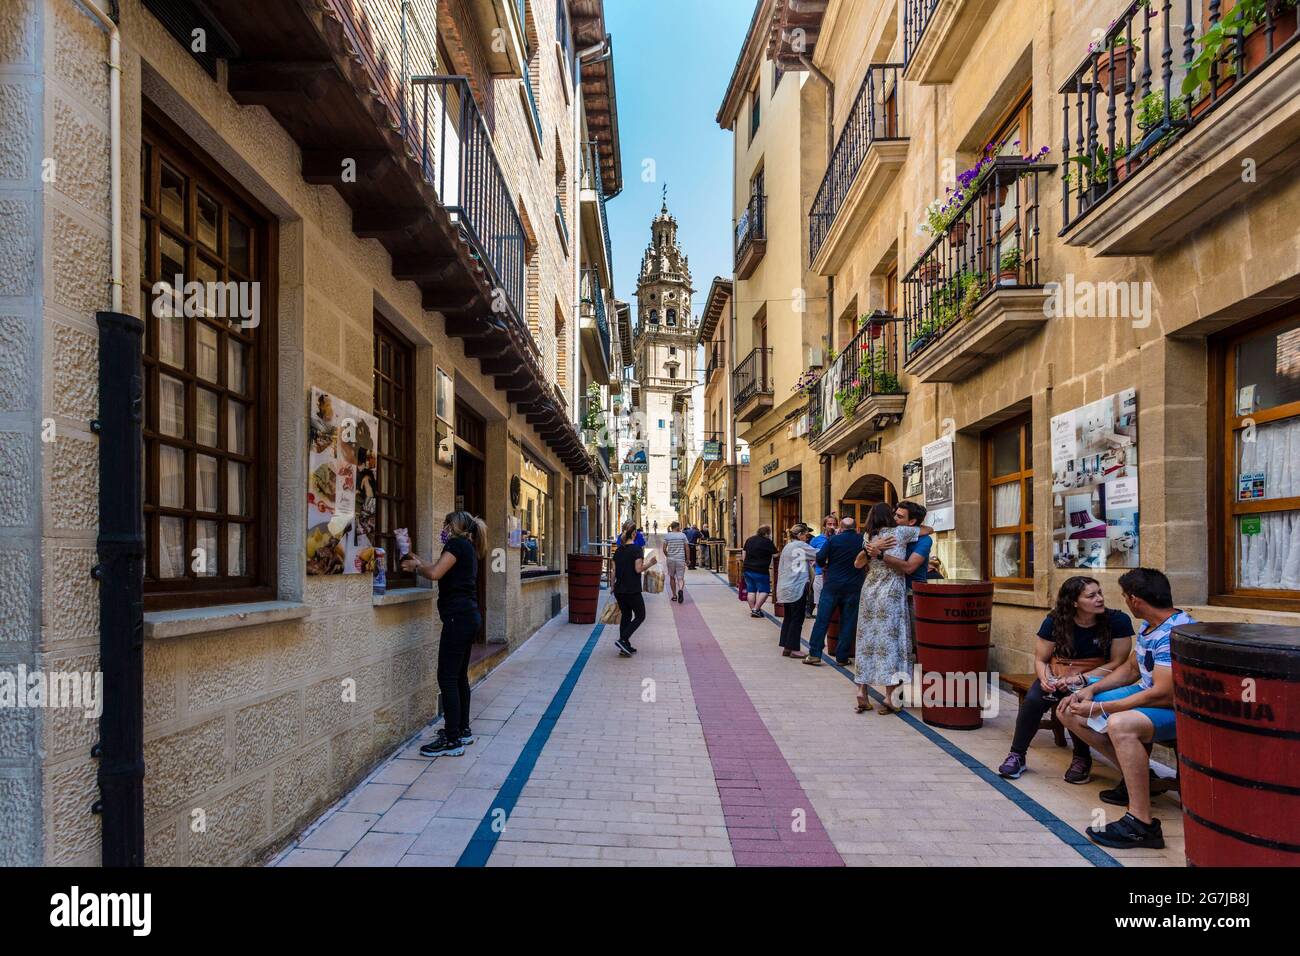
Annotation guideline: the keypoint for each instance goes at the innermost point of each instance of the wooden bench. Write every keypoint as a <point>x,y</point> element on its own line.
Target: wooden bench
<point>1019,685</point>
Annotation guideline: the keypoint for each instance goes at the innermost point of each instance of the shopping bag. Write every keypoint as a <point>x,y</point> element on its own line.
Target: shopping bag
<point>612,613</point>
<point>652,582</point>
<point>741,592</point>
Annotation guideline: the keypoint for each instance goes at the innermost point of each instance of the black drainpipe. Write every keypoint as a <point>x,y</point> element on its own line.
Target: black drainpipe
<point>120,573</point>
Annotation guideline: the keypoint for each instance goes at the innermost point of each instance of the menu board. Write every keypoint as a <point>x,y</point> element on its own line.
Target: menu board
<point>341,484</point>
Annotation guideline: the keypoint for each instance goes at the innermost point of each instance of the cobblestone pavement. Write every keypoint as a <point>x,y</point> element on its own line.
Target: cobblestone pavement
<point>709,748</point>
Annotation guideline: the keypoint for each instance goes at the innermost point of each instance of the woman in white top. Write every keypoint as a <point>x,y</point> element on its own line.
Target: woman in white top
<point>674,543</point>
<point>794,586</point>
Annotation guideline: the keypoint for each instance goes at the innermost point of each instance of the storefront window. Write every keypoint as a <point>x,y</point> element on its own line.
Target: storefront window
<point>209,524</point>
<point>1008,505</point>
<point>535,516</point>
<point>1262,457</point>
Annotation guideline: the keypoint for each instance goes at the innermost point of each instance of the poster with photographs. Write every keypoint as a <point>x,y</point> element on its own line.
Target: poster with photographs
<point>1095,484</point>
<point>912,478</point>
<point>937,482</point>
<point>340,487</point>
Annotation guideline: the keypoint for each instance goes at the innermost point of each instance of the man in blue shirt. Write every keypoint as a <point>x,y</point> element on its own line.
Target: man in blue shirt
<point>830,526</point>
<point>916,564</point>
<point>842,589</point>
<point>692,536</point>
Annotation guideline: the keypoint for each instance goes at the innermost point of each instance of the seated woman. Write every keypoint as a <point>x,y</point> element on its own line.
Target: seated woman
<point>1079,642</point>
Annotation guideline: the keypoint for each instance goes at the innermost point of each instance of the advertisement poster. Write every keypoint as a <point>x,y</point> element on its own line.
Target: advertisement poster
<point>340,487</point>
<point>912,478</point>
<point>1095,484</point>
<point>937,480</point>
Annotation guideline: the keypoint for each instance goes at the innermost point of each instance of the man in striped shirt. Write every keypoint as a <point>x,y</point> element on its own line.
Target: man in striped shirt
<point>674,543</point>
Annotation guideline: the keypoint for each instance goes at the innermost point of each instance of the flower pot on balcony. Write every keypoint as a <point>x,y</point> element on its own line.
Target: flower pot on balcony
<point>929,271</point>
<point>1256,45</point>
<point>1121,57</point>
<point>1009,277</point>
<point>958,231</point>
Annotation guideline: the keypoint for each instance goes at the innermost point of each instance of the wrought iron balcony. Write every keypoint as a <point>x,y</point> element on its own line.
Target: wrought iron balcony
<point>875,117</point>
<point>593,299</point>
<point>458,160</point>
<point>717,359</point>
<point>860,386</point>
<point>917,15</point>
<point>1162,69</point>
<point>938,36</point>
<point>752,384</point>
<point>751,236</point>
<point>989,249</point>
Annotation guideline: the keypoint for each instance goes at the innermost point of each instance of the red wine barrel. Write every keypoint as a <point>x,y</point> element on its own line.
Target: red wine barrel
<point>953,625</point>
<point>833,632</point>
<point>584,587</point>
<point>1237,700</point>
<point>777,609</point>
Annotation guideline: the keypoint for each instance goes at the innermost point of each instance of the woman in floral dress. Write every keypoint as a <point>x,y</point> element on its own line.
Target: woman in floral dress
<point>884,640</point>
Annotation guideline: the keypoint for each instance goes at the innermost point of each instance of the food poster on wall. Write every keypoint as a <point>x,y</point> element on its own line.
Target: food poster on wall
<point>1095,484</point>
<point>341,487</point>
<point>937,481</point>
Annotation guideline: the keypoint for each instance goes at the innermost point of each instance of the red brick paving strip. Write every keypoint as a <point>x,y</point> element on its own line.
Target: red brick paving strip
<point>758,790</point>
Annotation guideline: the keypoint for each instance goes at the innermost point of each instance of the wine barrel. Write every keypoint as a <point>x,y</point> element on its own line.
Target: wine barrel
<point>1237,705</point>
<point>953,625</point>
<point>584,587</point>
<point>833,632</point>
<point>735,558</point>
<point>777,609</point>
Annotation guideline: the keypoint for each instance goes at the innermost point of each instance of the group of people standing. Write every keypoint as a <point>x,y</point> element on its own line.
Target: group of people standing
<point>863,576</point>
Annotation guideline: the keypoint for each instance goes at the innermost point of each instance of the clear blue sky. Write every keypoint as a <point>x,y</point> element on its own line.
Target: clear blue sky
<point>672,61</point>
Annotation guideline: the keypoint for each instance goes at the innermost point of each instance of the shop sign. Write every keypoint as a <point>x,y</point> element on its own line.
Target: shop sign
<point>864,448</point>
<point>771,466</point>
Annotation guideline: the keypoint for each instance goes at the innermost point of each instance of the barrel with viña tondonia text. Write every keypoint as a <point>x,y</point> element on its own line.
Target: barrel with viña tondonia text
<point>953,629</point>
<point>584,587</point>
<point>1237,701</point>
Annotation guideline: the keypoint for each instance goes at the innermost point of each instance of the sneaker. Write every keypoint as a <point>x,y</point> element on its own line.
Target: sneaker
<point>1080,770</point>
<point>755,613</point>
<point>680,599</point>
<point>467,737</point>
<point>624,649</point>
<point>1118,796</point>
<point>1013,766</point>
<point>630,647</point>
<point>442,747</point>
<point>814,661</point>
<point>1129,833</point>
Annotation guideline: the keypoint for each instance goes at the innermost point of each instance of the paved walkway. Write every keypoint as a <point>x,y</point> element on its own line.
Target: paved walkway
<point>709,748</point>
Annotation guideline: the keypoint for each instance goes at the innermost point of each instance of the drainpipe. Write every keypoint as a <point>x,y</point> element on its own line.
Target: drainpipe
<point>120,543</point>
<point>806,61</point>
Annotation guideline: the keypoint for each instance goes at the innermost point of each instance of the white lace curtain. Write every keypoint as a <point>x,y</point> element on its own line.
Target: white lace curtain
<point>1006,547</point>
<point>1271,559</point>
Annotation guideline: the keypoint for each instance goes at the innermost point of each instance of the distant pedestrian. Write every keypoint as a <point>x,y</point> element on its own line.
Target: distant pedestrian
<point>692,536</point>
<point>794,588</point>
<point>675,544</point>
<point>629,565</point>
<point>656,526</point>
<point>464,544</point>
<point>759,551</point>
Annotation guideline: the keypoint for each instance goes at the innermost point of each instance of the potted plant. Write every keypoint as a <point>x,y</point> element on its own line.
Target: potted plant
<point>849,397</point>
<point>1119,54</point>
<point>928,270</point>
<point>1244,20</point>
<point>1009,267</point>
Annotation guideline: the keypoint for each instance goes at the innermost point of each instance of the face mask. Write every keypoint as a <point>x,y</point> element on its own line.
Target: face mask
<point>446,533</point>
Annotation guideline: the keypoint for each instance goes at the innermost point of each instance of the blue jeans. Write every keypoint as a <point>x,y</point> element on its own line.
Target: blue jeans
<point>847,602</point>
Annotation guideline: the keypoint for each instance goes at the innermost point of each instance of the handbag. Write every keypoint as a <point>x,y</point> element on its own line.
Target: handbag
<point>612,613</point>
<point>652,582</point>
<point>1063,667</point>
<point>741,592</point>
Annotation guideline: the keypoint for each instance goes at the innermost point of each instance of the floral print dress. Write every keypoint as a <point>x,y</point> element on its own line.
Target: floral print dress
<point>884,641</point>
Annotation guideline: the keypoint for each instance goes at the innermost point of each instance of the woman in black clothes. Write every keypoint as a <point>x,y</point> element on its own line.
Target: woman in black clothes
<point>1080,639</point>
<point>464,544</point>
<point>629,563</point>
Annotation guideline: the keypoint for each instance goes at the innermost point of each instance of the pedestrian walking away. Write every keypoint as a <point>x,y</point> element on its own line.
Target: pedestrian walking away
<point>464,544</point>
<point>883,652</point>
<point>675,544</point>
<point>759,551</point>
<point>794,587</point>
<point>629,564</point>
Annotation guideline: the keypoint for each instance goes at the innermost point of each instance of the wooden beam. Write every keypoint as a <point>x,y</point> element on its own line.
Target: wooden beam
<point>326,167</point>
<point>253,82</point>
<point>423,268</point>
<point>452,303</point>
<point>500,366</point>
<point>378,223</point>
<point>506,383</point>
<point>515,396</point>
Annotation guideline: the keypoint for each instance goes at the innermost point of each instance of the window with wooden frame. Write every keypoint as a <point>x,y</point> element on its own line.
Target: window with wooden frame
<point>209,415</point>
<point>1009,503</point>
<point>1255,479</point>
<point>1013,138</point>
<point>395,473</point>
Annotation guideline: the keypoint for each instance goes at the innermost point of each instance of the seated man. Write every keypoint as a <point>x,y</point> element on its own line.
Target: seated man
<point>1126,711</point>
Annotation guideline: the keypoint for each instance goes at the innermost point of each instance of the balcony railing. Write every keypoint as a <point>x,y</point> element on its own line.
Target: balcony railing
<point>753,376</point>
<point>456,154</point>
<point>598,184</point>
<point>868,366</point>
<point>990,243</point>
<point>874,117</point>
<point>717,359</point>
<point>1160,69</point>
<point>751,226</point>
<point>592,293</point>
<point>917,15</point>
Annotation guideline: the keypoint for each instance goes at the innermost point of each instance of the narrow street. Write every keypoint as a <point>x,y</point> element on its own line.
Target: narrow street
<point>709,748</point>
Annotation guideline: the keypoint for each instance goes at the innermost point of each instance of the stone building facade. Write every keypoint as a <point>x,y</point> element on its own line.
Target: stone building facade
<point>268,691</point>
<point>1072,336</point>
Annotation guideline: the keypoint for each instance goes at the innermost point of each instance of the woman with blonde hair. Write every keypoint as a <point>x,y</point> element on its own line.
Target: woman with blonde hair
<point>464,544</point>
